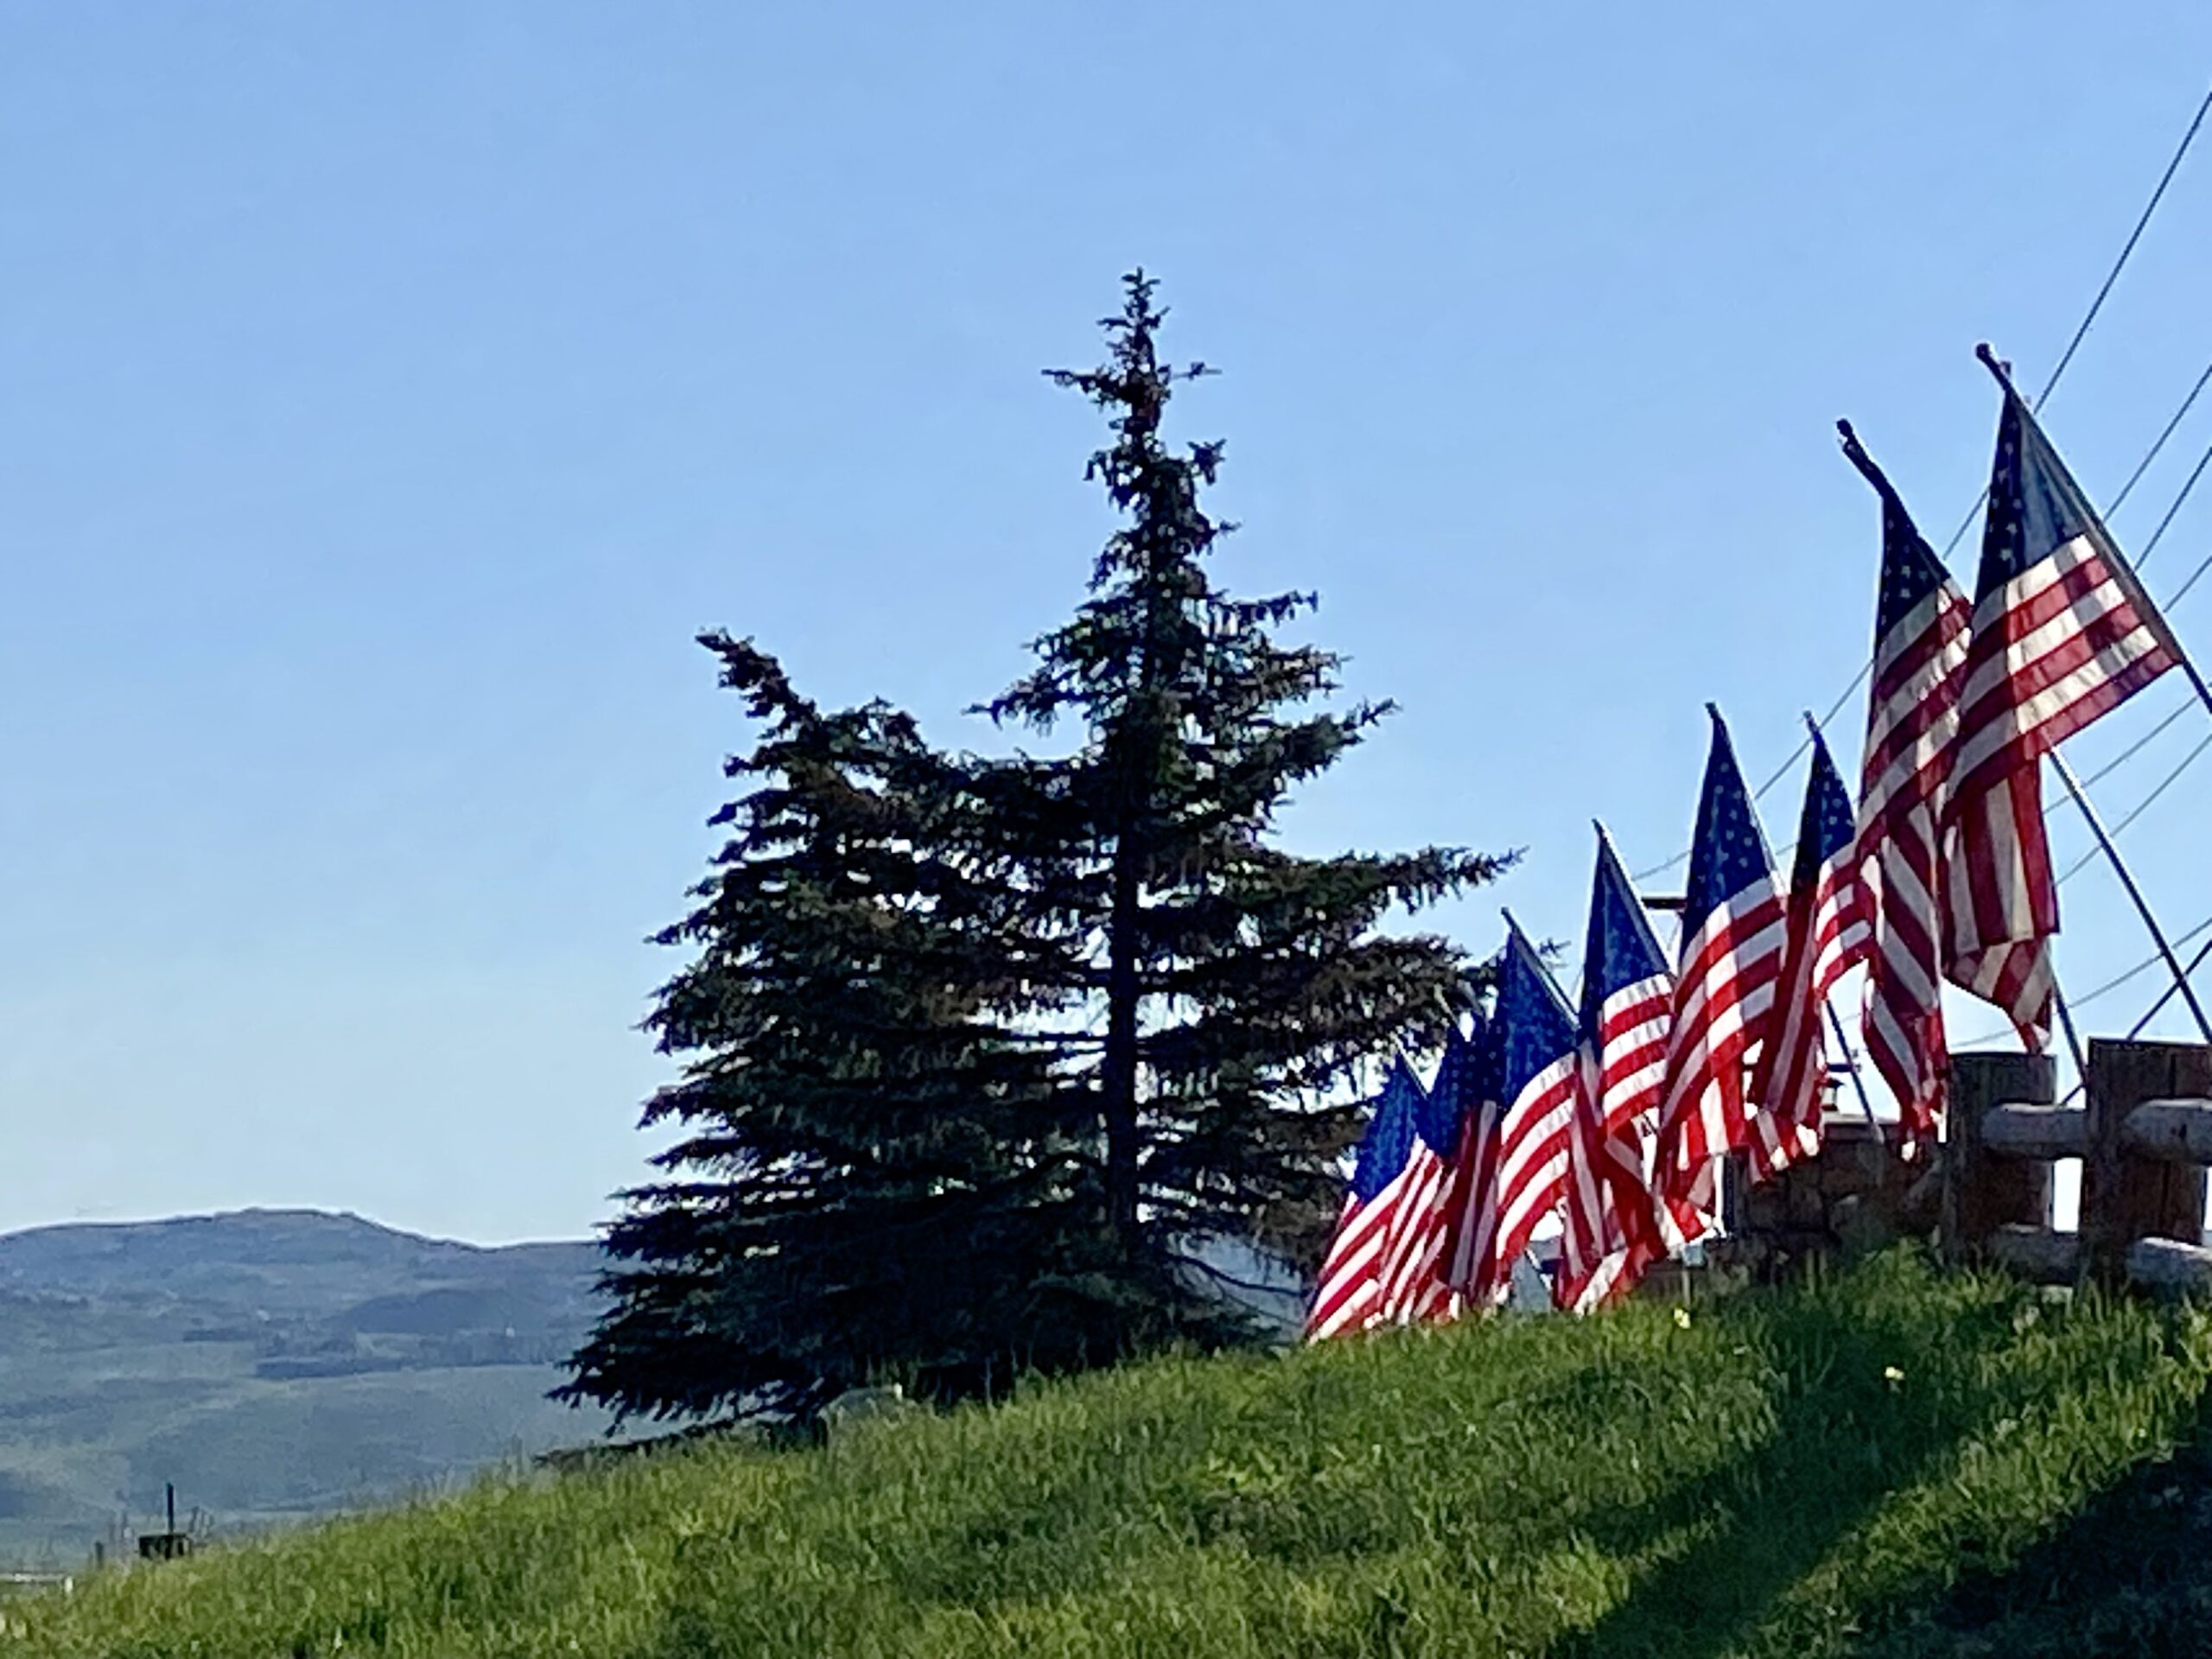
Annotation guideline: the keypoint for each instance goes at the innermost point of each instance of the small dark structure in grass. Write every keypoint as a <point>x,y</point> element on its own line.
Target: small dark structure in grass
<point>166,1546</point>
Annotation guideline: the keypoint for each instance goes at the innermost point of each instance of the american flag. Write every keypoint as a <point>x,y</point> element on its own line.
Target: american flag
<point>1412,1289</point>
<point>1732,936</point>
<point>2062,634</point>
<point>1350,1294</point>
<point>1912,718</point>
<point>1628,999</point>
<point>1516,1158</point>
<point>1828,933</point>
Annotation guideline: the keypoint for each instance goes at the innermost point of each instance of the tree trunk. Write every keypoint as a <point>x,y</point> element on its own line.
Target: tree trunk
<point>1118,1070</point>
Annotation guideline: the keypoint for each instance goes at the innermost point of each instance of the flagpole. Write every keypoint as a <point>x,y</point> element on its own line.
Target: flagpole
<point>2073,1036</point>
<point>1851,1063</point>
<point>1835,1021</point>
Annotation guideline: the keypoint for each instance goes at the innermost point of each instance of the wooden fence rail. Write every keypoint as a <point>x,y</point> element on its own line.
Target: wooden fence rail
<point>2144,1139</point>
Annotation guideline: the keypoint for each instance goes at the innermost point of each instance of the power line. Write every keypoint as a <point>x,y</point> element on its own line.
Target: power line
<point>2202,567</point>
<point>2139,745</point>
<point>2105,989</point>
<point>2167,996</point>
<point>2157,535</point>
<point>2080,333</point>
<point>2098,304</point>
<point>2151,454</point>
<point>2141,806</point>
<point>2133,237</point>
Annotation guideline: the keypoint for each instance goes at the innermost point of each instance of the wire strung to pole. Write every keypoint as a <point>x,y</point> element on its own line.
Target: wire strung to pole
<point>2098,304</point>
<point>2115,983</point>
<point>2141,806</point>
<point>2137,745</point>
<point>2203,464</point>
<point>2057,373</point>
<point>2144,741</point>
<point>2151,453</point>
<point>2158,535</point>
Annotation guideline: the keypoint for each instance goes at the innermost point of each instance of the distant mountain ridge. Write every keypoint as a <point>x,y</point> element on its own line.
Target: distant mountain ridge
<point>311,1250</point>
<point>275,1363</point>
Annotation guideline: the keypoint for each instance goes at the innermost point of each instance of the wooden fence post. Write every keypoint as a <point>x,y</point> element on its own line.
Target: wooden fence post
<point>2125,1195</point>
<point>1984,1191</point>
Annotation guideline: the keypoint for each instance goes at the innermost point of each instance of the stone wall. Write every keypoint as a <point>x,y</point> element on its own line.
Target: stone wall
<point>1858,1195</point>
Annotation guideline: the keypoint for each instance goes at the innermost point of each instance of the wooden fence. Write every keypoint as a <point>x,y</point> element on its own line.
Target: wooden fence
<point>2144,1136</point>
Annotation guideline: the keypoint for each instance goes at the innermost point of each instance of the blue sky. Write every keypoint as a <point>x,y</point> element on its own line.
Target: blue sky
<point>392,393</point>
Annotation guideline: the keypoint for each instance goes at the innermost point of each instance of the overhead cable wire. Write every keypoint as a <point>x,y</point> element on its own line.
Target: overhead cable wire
<point>2139,745</point>
<point>2098,304</point>
<point>2167,996</point>
<point>2151,454</point>
<point>2158,535</point>
<point>2140,807</point>
<point>2080,333</point>
<point>2105,989</point>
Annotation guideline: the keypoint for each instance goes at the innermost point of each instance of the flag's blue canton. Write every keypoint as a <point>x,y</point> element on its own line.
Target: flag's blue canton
<point>2035,505</point>
<point>1534,1028</point>
<point>1388,1142</point>
<point>1622,950</point>
<point>1826,828</point>
<point>1728,853</point>
<point>1451,1097</point>
<point>1911,570</point>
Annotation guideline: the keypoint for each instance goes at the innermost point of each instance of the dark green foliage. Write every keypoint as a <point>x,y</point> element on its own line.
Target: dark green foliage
<point>878,1181</point>
<point>979,1049</point>
<point>1217,993</point>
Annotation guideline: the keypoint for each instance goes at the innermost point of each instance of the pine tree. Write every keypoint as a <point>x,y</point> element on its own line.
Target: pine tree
<point>1215,992</point>
<point>876,1184</point>
<point>980,1052</point>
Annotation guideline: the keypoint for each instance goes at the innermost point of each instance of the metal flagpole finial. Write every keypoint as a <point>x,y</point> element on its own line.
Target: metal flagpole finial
<point>1811,724</point>
<point>1998,368</point>
<point>1855,453</point>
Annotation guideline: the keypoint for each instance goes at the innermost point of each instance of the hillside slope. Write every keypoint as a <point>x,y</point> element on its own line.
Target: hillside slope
<point>275,1364</point>
<point>1892,1464</point>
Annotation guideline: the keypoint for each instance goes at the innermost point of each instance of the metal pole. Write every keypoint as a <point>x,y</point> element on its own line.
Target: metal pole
<point>1851,1064</point>
<point>1835,1022</point>
<point>2073,1036</point>
<point>2128,881</point>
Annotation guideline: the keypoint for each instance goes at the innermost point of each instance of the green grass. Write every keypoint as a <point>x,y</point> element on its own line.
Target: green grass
<point>1890,1463</point>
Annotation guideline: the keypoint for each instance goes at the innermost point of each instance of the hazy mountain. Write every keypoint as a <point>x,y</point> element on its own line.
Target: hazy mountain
<point>274,1363</point>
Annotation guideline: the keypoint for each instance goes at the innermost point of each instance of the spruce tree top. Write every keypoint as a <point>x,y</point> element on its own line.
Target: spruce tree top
<point>1225,993</point>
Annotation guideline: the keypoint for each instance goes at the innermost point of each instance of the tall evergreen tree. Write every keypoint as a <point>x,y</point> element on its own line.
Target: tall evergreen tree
<point>874,1181</point>
<point>979,1053</point>
<point>1216,992</point>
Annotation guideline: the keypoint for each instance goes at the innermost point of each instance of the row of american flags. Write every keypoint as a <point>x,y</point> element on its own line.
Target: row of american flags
<point>1612,1115</point>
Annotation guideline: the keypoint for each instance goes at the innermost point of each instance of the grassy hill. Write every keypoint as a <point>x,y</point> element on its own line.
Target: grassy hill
<point>1892,1463</point>
<point>276,1364</point>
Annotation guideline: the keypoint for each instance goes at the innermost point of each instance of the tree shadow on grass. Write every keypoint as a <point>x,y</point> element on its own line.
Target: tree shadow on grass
<point>1849,1431</point>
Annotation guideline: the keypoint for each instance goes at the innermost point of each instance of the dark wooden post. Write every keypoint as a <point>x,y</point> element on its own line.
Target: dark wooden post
<point>1983,1190</point>
<point>2125,1195</point>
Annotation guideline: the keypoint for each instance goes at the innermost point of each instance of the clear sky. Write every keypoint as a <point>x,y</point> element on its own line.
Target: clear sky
<point>387,395</point>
